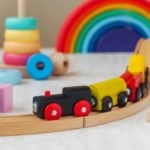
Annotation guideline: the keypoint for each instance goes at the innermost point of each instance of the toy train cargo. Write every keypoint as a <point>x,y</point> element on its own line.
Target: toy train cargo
<point>102,96</point>
<point>108,96</point>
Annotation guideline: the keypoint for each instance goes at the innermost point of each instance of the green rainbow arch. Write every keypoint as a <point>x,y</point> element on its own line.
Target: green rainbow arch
<point>103,16</point>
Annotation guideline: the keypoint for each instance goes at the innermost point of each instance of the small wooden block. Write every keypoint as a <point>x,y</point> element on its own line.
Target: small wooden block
<point>116,114</point>
<point>6,97</point>
<point>30,124</point>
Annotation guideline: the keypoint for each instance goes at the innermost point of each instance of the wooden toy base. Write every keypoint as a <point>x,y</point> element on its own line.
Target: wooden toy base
<point>30,124</point>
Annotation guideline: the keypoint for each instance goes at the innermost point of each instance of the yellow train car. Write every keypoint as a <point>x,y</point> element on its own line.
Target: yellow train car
<point>137,64</point>
<point>109,93</point>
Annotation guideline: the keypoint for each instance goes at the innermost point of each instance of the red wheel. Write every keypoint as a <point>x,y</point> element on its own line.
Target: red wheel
<point>53,112</point>
<point>82,108</point>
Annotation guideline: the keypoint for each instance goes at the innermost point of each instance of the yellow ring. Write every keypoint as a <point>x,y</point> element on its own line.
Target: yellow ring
<point>22,48</point>
<point>102,10</point>
<point>22,36</point>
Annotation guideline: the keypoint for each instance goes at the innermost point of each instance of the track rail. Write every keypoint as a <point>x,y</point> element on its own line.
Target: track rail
<point>30,124</point>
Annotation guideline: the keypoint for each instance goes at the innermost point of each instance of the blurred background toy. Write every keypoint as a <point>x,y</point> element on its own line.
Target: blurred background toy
<point>10,76</point>
<point>22,48</point>
<point>22,38</point>
<point>95,23</point>
<point>61,63</point>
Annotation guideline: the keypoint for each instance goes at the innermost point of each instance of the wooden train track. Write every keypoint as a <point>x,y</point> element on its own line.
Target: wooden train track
<point>30,124</point>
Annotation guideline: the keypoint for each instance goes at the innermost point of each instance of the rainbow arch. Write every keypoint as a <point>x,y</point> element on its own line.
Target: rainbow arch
<point>90,23</point>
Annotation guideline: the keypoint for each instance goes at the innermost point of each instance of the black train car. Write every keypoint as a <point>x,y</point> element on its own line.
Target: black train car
<point>73,101</point>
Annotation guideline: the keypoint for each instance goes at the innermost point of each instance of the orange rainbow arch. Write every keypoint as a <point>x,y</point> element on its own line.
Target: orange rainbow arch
<point>80,32</point>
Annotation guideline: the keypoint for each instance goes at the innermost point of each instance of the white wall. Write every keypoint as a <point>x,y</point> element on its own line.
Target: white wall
<point>50,14</point>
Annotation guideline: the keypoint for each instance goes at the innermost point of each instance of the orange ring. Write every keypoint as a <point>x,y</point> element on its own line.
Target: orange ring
<point>22,48</point>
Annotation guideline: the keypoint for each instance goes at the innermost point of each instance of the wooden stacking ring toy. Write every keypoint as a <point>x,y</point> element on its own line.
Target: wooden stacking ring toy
<point>16,59</point>
<point>10,76</point>
<point>22,36</point>
<point>61,63</point>
<point>21,47</point>
<point>26,23</point>
<point>39,66</point>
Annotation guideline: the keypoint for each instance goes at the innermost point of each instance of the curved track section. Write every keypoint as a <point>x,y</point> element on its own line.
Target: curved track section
<point>30,124</point>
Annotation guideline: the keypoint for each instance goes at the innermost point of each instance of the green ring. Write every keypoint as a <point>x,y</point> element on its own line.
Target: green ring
<point>27,23</point>
<point>101,17</point>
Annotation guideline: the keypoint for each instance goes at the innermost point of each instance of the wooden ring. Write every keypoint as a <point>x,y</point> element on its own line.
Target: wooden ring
<point>22,36</point>
<point>61,63</point>
<point>22,48</point>
<point>16,23</point>
<point>16,59</point>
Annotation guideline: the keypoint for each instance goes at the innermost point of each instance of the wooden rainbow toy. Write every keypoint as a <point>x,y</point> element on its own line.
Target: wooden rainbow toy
<point>95,23</point>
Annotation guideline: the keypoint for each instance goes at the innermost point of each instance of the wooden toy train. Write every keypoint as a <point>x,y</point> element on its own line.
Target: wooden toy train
<point>81,100</point>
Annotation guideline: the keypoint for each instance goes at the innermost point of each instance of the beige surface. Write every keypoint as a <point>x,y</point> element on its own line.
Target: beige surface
<point>50,14</point>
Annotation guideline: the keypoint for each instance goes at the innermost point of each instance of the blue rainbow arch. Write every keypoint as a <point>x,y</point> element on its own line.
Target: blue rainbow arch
<point>119,21</point>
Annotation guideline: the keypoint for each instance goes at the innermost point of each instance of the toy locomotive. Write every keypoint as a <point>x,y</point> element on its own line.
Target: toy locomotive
<point>81,100</point>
